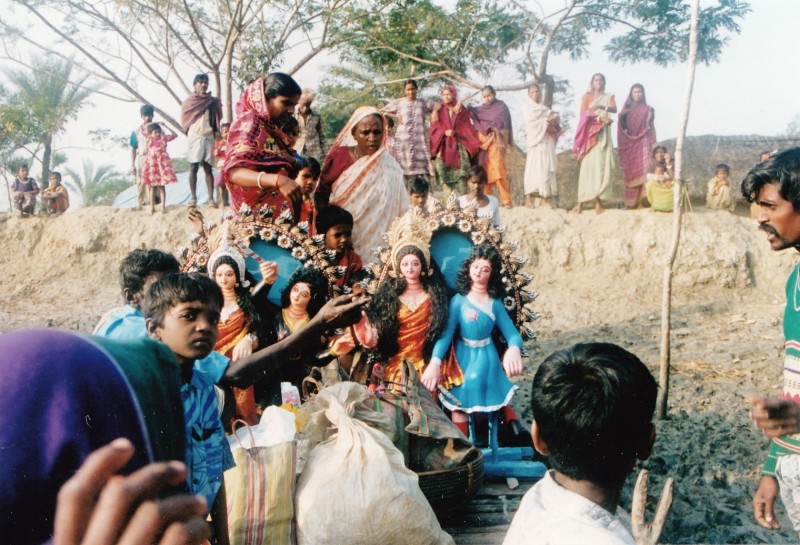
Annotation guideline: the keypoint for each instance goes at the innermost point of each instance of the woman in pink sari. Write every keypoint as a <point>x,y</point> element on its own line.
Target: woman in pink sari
<point>636,136</point>
<point>260,163</point>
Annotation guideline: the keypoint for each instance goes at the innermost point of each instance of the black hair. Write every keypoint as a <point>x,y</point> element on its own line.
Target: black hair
<point>200,77</point>
<point>176,288</point>
<point>477,171</point>
<point>57,174</point>
<point>385,305</point>
<point>656,149</point>
<point>783,170</point>
<point>419,186</point>
<point>411,82</point>
<point>243,299</point>
<point>313,165</point>
<point>23,165</point>
<point>154,126</point>
<point>593,404</point>
<point>490,89</point>
<point>291,126</point>
<point>723,166</point>
<point>488,252</point>
<point>534,84</point>
<point>331,216</point>
<point>147,110</point>
<point>139,264</point>
<point>357,277</point>
<point>315,280</point>
<point>280,84</point>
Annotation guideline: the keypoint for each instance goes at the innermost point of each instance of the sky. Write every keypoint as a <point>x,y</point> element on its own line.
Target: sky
<point>752,90</point>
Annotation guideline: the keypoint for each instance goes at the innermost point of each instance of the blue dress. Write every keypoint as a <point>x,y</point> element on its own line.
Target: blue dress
<point>486,387</point>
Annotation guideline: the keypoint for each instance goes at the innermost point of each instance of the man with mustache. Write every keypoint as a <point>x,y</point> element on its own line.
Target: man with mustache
<point>201,114</point>
<point>774,185</point>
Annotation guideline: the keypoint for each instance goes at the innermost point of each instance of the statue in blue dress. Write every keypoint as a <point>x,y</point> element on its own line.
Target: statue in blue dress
<point>474,312</point>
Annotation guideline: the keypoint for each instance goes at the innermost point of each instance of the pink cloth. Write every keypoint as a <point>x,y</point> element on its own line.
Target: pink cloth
<point>157,164</point>
<point>636,137</point>
<point>589,126</point>
<point>463,133</point>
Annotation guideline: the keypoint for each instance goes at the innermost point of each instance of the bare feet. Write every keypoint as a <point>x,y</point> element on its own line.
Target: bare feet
<point>598,208</point>
<point>546,202</point>
<point>577,208</point>
<point>528,201</point>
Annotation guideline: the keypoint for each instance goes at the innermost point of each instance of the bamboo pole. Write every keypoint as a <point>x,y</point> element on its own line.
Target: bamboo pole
<point>666,293</point>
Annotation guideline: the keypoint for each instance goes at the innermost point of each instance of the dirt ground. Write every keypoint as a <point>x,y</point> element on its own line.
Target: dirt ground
<point>598,278</point>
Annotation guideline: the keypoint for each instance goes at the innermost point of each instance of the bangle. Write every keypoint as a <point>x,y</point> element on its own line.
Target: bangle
<point>258,180</point>
<point>276,181</point>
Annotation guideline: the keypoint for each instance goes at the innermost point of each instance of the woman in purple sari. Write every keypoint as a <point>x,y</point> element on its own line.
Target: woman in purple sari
<point>636,136</point>
<point>493,121</point>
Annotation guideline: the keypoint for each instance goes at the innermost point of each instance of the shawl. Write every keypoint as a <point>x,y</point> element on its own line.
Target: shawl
<point>463,133</point>
<point>372,188</point>
<point>636,136</point>
<point>589,126</point>
<point>196,105</point>
<point>65,396</point>
<point>256,142</point>
<point>492,116</point>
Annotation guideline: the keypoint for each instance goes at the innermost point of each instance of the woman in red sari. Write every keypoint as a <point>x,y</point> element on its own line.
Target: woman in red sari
<point>636,136</point>
<point>260,163</point>
<point>453,141</point>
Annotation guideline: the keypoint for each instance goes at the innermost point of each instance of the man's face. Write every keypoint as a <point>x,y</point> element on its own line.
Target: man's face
<point>778,219</point>
<point>189,329</point>
<point>136,299</point>
<point>419,200</point>
<point>303,107</point>
<point>201,86</point>
<point>337,238</point>
<point>55,181</point>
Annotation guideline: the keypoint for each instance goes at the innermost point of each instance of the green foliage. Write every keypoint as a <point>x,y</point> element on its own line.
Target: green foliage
<point>97,185</point>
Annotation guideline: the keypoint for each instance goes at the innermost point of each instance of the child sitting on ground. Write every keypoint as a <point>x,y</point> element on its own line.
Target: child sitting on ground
<point>336,225</point>
<point>221,153</point>
<point>307,179</point>
<point>55,198</point>
<point>659,190</point>
<point>488,206</point>
<point>720,196</point>
<point>25,190</point>
<point>592,410</point>
<point>158,171</point>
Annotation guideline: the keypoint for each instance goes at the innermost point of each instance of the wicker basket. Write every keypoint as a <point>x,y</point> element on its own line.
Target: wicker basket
<point>446,489</point>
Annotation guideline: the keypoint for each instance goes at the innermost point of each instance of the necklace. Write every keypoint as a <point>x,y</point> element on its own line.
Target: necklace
<point>226,312</point>
<point>413,303</point>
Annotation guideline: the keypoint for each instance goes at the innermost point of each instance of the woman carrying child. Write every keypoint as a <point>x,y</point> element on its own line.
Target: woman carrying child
<point>158,171</point>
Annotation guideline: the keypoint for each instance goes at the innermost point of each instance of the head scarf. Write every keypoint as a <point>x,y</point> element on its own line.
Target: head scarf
<point>256,142</point>
<point>452,88</point>
<point>63,397</point>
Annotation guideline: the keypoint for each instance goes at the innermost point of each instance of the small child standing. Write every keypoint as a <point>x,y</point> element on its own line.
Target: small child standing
<point>488,206</point>
<point>720,196</point>
<point>55,197</point>
<point>158,171</point>
<point>592,411</point>
<point>659,190</point>
<point>307,179</point>
<point>221,153</point>
<point>25,190</point>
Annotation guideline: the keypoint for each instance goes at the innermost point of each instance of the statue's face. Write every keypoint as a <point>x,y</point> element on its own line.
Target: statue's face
<point>225,277</point>
<point>411,267</point>
<point>300,296</point>
<point>479,272</point>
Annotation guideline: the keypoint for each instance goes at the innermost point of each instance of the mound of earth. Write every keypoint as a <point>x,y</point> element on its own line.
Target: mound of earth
<point>599,279</point>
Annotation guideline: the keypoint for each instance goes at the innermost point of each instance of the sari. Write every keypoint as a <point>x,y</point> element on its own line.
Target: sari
<point>256,142</point>
<point>594,149</point>
<point>636,137</point>
<point>371,188</point>
<point>453,154</point>
<point>493,122</point>
<point>231,331</point>
<point>540,161</point>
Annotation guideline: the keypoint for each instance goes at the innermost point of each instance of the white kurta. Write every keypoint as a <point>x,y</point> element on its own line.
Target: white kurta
<point>540,165</point>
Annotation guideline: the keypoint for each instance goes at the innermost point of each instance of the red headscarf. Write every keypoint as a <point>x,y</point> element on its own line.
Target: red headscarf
<point>463,132</point>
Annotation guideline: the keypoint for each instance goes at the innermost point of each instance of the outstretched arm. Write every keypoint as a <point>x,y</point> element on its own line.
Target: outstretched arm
<point>342,311</point>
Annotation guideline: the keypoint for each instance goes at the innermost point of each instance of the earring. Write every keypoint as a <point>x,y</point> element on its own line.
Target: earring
<point>237,284</point>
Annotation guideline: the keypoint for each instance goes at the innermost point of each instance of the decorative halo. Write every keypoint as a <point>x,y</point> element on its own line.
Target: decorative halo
<point>454,233</point>
<point>261,237</point>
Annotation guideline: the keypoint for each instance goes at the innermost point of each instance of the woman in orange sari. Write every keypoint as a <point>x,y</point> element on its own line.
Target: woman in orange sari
<point>240,326</point>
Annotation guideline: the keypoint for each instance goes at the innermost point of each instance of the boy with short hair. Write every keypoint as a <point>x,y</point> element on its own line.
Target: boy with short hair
<point>55,197</point>
<point>418,192</point>
<point>24,191</point>
<point>592,408</point>
<point>137,272</point>
<point>336,225</point>
<point>182,311</point>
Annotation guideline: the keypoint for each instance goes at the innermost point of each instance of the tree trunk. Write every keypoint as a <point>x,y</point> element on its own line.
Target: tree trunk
<point>666,300</point>
<point>47,142</point>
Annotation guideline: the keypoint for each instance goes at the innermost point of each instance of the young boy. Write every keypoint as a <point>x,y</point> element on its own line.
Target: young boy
<point>307,179</point>
<point>25,190</point>
<point>488,206</point>
<point>336,225</point>
<point>592,406</point>
<point>419,191</point>
<point>720,196</point>
<point>55,197</point>
<point>137,272</point>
